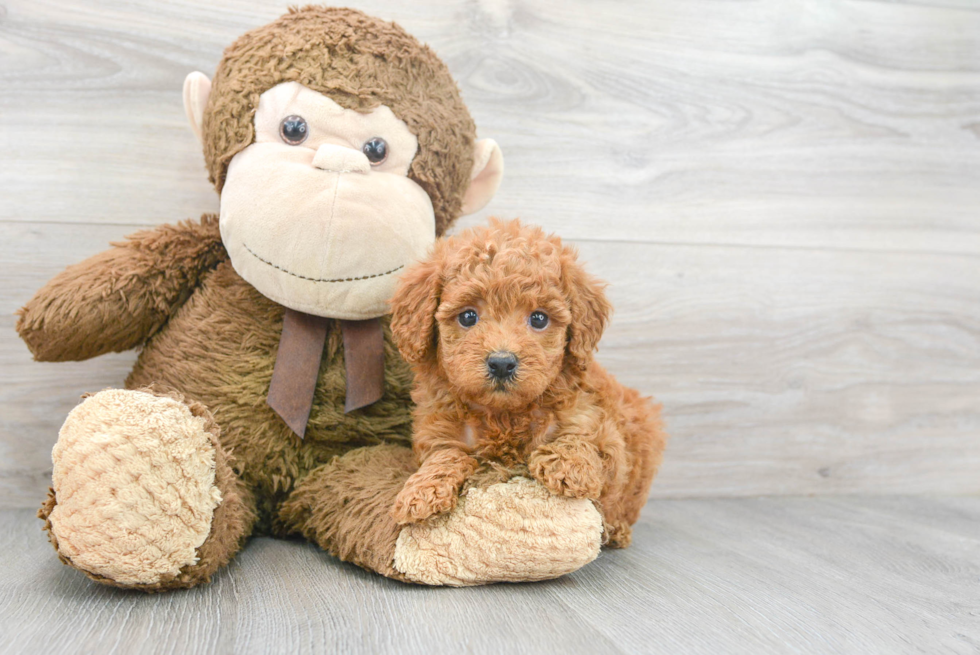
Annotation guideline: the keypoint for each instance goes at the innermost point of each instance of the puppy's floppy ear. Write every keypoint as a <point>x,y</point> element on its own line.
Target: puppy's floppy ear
<point>413,309</point>
<point>588,305</point>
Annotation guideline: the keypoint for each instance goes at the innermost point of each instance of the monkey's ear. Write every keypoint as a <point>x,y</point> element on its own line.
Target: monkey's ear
<point>197,88</point>
<point>488,170</point>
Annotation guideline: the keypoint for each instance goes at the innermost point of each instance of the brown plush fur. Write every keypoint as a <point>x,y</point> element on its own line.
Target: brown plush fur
<point>360,62</point>
<point>171,291</point>
<point>219,349</point>
<point>580,432</point>
<point>118,299</point>
<point>359,488</point>
<point>217,346</point>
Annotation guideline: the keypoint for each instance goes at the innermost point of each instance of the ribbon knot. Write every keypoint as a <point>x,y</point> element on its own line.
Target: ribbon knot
<point>298,365</point>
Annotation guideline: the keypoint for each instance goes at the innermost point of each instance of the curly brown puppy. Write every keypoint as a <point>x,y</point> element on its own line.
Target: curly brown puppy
<point>500,324</point>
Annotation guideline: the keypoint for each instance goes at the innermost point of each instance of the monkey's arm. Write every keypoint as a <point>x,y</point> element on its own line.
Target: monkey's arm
<point>119,298</point>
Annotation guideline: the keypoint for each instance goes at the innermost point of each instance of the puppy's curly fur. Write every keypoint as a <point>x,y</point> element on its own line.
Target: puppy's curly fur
<point>580,433</point>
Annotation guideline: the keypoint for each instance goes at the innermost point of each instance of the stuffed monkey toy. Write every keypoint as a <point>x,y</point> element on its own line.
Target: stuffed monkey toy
<point>267,397</point>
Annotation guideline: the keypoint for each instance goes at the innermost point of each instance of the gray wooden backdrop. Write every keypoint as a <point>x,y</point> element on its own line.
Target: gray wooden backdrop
<point>783,194</point>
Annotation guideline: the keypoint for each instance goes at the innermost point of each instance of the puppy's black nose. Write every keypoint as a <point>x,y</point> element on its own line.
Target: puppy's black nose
<point>502,365</point>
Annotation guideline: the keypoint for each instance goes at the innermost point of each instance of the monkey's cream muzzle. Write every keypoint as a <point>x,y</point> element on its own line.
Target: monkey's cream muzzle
<point>315,226</point>
<point>325,242</point>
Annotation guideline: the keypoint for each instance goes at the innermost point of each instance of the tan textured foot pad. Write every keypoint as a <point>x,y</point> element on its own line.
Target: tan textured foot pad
<point>134,483</point>
<point>507,532</point>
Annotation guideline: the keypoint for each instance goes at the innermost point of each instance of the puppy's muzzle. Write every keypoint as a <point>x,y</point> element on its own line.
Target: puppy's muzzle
<point>502,366</point>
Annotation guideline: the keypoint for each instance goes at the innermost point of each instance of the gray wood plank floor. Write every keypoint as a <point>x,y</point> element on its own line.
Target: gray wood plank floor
<point>770,575</point>
<point>784,197</point>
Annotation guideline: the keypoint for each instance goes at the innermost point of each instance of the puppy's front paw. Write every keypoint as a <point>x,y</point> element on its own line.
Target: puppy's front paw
<point>420,499</point>
<point>568,468</point>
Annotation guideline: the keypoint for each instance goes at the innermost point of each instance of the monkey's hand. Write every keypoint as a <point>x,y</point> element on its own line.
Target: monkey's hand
<point>119,298</point>
<point>434,488</point>
<point>569,467</point>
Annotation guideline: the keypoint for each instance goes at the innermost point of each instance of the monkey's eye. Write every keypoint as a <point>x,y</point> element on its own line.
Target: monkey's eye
<point>376,150</point>
<point>294,130</point>
<point>538,320</point>
<point>468,318</point>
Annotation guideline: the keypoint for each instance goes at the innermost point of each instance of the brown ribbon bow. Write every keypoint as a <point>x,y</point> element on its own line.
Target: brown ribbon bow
<point>298,365</point>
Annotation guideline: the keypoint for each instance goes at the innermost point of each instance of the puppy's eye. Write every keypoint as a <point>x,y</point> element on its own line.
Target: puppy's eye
<point>538,320</point>
<point>468,318</point>
<point>376,150</point>
<point>294,130</point>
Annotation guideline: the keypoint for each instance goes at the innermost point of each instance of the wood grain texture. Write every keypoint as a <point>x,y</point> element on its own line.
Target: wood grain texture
<point>783,196</point>
<point>828,575</point>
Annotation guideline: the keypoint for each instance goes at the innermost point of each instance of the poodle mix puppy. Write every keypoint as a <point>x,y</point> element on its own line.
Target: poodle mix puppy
<point>500,325</point>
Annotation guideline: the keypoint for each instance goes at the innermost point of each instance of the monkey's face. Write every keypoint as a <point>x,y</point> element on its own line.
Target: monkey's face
<point>340,146</point>
<point>318,213</point>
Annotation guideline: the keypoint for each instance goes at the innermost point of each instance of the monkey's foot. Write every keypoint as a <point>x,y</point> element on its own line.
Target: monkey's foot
<point>511,531</point>
<point>501,530</point>
<point>134,490</point>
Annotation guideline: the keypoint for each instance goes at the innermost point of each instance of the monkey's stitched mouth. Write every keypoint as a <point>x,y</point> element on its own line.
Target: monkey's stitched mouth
<point>314,279</point>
